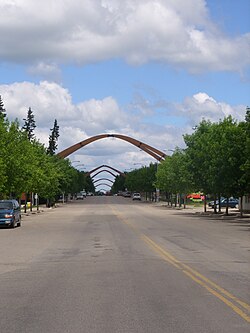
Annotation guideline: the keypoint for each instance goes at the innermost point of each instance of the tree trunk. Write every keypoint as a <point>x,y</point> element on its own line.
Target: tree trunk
<point>215,208</point>
<point>205,203</point>
<point>227,207</point>
<point>25,203</point>
<point>241,206</point>
<point>31,201</point>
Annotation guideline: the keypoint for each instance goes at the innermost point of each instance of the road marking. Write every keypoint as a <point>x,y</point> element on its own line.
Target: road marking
<point>219,292</point>
<point>206,283</point>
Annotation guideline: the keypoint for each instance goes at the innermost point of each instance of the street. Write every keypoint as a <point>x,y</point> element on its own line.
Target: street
<point>111,265</point>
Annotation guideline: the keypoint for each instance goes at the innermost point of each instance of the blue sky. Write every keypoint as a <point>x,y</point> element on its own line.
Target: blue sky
<point>148,69</point>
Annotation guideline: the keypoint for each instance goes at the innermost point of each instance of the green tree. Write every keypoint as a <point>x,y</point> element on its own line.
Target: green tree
<point>89,185</point>
<point>142,180</point>
<point>2,109</point>
<point>29,125</point>
<point>199,157</point>
<point>247,117</point>
<point>118,185</point>
<point>216,154</point>
<point>244,181</point>
<point>53,138</point>
<point>173,175</point>
<point>3,154</point>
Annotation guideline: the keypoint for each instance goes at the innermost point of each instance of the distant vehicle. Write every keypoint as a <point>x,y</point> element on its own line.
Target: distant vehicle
<point>79,196</point>
<point>136,196</point>
<point>10,213</point>
<point>127,194</point>
<point>232,203</point>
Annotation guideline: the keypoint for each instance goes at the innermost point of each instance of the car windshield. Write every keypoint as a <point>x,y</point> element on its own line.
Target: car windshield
<point>6,205</point>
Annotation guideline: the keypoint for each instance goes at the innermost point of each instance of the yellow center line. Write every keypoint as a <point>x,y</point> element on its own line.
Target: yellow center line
<point>205,283</point>
<point>194,272</point>
<point>197,277</point>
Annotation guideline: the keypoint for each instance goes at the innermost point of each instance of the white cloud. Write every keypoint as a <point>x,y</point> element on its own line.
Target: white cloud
<point>78,122</point>
<point>47,71</point>
<point>202,106</point>
<point>176,32</point>
<point>47,100</point>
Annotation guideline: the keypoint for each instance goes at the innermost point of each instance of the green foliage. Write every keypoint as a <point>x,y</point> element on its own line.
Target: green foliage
<point>216,154</point>
<point>173,175</point>
<point>119,184</point>
<point>216,160</point>
<point>2,109</point>
<point>141,180</point>
<point>26,167</point>
<point>244,181</point>
<point>53,138</point>
<point>3,154</point>
<point>89,185</point>
<point>29,125</point>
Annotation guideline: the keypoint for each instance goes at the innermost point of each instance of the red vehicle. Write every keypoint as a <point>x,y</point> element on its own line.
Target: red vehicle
<point>196,197</point>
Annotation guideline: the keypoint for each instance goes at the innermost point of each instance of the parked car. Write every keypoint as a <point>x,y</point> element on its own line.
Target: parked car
<point>127,194</point>
<point>79,196</point>
<point>136,196</point>
<point>84,193</point>
<point>10,213</point>
<point>195,197</point>
<point>211,203</point>
<point>232,203</point>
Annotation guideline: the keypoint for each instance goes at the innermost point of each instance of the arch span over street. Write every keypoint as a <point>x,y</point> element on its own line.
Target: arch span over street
<point>101,179</point>
<point>104,170</point>
<point>104,185</point>
<point>157,154</point>
<point>105,166</point>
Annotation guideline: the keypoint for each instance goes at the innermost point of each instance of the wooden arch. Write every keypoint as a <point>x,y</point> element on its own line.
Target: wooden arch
<point>104,170</point>
<point>101,179</point>
<point>105,166</point>
<point>103,184</point>
<point>157,154</point>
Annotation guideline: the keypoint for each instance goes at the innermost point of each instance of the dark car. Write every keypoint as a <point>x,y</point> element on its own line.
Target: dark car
<point>232,203</point>
<point>10,213</point>
<point>211,203</point>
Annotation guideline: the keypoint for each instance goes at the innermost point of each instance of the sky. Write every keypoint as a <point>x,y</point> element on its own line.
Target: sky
<point>148,69</point>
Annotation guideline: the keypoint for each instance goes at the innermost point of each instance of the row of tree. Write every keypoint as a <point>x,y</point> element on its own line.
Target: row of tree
<point>28,166</point>
<point>216,161</point>
<point>139,180</point>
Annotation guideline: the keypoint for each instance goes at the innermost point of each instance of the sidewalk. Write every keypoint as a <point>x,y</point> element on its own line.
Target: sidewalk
<point>42,209</point>
<point>234,214</point>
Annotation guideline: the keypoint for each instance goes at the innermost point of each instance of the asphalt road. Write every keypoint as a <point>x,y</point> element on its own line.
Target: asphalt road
<point>111,265</point>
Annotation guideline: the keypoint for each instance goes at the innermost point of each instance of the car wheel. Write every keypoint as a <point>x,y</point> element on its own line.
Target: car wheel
<point>13,223</point>
<point>19,222</point>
